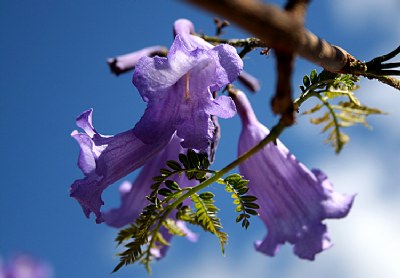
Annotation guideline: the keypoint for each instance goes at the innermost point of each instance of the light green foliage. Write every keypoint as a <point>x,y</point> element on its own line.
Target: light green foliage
<point>343,109</point>
<point>206,216</point>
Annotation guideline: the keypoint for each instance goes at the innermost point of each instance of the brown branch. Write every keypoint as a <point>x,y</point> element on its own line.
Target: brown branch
<point>298,8</point>
<point>278,30</point>
<point>282,102</point>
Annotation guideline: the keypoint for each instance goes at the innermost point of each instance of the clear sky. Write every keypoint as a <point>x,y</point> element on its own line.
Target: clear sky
<point>53,67</point>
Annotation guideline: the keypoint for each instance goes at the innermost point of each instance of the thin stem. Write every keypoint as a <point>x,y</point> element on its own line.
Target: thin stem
<point>300,100</point>
<point>249,42</point>
<point>384,58</point>
<point>335,121</point>
<point>390,65</point>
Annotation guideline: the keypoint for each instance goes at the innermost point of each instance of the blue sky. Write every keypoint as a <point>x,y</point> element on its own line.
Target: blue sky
<point>53,67</point>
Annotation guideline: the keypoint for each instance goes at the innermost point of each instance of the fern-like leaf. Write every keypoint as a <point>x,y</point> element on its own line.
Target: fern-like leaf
<point>206,217</point>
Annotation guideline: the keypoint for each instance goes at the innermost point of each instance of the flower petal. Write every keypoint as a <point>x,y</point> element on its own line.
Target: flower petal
<point>185,29</point>
<point>178,91</point>
<point>104,160</point>
<point>293,200</point>
<point>127,62</point>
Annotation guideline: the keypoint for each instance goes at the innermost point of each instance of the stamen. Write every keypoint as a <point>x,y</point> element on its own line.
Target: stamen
<point>187,86</point>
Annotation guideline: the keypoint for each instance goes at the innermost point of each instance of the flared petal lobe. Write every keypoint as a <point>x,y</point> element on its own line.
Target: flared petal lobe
<point>178,90</point>
<point>104,160</point>
<point>293,200</point>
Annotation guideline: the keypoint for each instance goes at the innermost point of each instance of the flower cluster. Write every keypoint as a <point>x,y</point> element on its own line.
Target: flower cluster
<point>179,88</point>
<point>24,266</point>
<point>178,92</point>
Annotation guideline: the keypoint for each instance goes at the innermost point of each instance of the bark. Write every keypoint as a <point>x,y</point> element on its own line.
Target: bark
<point>279,29</point>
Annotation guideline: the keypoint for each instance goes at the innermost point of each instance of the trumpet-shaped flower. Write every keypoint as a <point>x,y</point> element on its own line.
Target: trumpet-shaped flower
<point>104,160</point>
<point>293,200</point>
<point>178,91</point>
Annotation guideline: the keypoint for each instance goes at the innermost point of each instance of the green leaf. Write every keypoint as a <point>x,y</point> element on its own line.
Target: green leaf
<point>184,160</point>
<point>251,211</point>
<point>173,228</point>
<point>240,184</point>
<point>173,185</point>
<point>158,179</point>
<point>249,198</point>
<point>314,76</point>
<point>232,179</point>
<point>200,175</point>
<point>245,223</point>
<point>306,81</point>
<point>206,217</point>
<point>243,190</point>
<point>165,192</point>
<point>206,195</point>
<point>324,118</point>
<point>174,165</point>
<point>193,159</point>
<point>251,205</point>
<point>316,108</point>
<point>165,172</point>
<point>239,218</point>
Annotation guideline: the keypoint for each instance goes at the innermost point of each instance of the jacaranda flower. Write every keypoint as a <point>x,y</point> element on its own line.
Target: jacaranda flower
<point>178,91</point>
<point>24,266</point>
<point>293,200</point>
<point>104,160</point>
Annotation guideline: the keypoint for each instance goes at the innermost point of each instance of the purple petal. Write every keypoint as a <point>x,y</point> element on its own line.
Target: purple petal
<point>178,91</point>
<point>127,62</point>
<point>185,29</point>
<point>104,160</point>
<point>293,200</point>
<point>249,81</point>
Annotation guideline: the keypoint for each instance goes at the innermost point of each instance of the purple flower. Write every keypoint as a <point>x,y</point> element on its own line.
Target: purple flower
<point>104,160</point>
<point>178,91</point>
<point>127,62</point>
<point>293,200</point>
<point>23,266</point>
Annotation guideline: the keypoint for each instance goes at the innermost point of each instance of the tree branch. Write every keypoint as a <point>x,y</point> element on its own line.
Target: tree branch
<point>278,30</point>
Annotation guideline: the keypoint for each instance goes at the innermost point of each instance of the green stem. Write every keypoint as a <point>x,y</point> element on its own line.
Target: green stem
<point>335,120</point>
